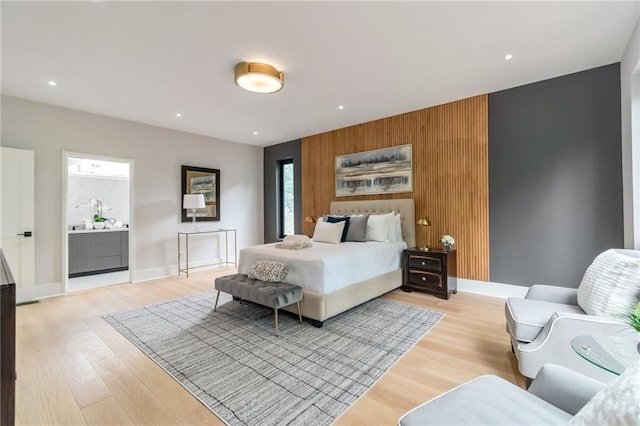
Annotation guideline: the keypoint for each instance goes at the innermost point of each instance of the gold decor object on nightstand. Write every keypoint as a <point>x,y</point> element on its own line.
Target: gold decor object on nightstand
<point>425,222</point>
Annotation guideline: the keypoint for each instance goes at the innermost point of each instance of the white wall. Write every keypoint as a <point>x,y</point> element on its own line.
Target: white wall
<point>158,154</point>
<point>114,193</point>
<point>630,108</point>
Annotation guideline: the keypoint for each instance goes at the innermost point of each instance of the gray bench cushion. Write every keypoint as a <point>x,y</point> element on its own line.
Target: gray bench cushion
<point>486,400</point>
<point>527,317</point>
<point>272,295</point>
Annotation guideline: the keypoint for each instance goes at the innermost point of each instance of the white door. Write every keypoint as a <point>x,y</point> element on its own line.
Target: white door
<point>17,218</point>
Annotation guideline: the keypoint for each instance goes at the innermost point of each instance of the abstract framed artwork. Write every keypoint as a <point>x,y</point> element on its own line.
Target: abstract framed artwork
<point>381,171</point>
<point>198,180</point>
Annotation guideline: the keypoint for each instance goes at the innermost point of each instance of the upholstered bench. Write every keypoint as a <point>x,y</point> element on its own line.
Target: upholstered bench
<point>273,295</point>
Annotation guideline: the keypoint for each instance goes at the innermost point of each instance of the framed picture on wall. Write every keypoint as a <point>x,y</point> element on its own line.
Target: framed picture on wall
<point>381,171</point>
<point>198,180</point>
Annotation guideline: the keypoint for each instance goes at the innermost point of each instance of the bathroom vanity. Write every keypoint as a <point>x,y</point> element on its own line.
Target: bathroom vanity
<point>94,251</point>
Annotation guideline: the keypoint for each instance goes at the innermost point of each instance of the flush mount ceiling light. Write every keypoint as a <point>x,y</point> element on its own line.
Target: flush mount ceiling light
<point>258,77</point>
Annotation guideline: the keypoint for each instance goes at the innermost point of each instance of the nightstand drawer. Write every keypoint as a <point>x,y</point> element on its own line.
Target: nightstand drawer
<point>425,263</point>
<point>424,278</point>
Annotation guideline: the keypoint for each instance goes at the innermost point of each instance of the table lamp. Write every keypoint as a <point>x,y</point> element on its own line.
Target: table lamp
<point>424,221</point>
<point>193,202</point>
<point>311,219</point>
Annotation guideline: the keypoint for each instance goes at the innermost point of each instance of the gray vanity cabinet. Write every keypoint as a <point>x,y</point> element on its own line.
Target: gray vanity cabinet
<point>98,252</point>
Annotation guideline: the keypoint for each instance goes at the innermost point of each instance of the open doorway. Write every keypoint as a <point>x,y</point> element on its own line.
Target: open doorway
<point>97,221</point>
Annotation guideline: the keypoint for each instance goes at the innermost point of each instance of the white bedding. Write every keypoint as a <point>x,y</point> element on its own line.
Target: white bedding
<point>325,268</point>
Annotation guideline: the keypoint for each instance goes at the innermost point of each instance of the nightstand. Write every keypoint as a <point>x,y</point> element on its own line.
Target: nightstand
<point>432,271</point>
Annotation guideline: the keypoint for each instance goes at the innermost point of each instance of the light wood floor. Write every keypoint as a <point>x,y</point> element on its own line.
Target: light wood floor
<point>73,368</point>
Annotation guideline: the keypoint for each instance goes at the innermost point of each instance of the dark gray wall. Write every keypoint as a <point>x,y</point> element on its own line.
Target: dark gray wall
<point>272,156</point>
<point>555,177</point>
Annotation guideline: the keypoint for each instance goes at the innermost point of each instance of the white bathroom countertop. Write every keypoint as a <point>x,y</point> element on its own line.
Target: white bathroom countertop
<point>85,231</point>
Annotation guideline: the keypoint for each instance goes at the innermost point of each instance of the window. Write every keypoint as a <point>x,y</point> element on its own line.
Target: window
<point>287,223</point>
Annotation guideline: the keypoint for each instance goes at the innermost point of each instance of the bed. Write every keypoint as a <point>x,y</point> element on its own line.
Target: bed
<point>335,289</point>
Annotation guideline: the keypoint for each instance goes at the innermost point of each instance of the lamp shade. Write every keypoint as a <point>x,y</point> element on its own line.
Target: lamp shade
<point>424,221</point>
<point>311,219</point>
<point>193,201</point>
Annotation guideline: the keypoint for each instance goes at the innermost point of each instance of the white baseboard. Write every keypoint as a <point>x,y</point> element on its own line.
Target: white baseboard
<point>96,281</point>
<point>488,288</point>
<point>44,291</point>
<point>142,275</point>
<point>172,270</point>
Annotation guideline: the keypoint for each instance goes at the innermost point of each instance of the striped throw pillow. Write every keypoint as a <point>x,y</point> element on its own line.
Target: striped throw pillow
<point>611,284</point>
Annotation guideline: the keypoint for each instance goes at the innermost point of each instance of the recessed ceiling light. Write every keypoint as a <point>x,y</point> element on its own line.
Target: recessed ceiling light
<point>255,133</point>
<point>52,83</point>
<point>340,106</point>
<point>178,115</point>
<point>508,57</point>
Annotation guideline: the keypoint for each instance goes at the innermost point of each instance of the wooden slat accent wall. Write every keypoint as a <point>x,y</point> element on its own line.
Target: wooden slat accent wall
<point>450,173</point>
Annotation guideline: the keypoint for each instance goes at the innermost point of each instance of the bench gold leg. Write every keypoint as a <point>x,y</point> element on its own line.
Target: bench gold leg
<point>275,313</point>
<point>299,314</point>
<point>216,305</point>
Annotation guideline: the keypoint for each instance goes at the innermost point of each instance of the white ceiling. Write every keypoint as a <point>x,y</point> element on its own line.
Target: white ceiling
<point>146,61</point>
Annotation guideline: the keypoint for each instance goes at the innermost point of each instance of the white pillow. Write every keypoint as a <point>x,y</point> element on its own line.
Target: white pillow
<point>611,284</point>
<point>327,232</point>
<point>617,404</point>
<point>391,226</point>
<point>378,228</point>
<point>398,223</point>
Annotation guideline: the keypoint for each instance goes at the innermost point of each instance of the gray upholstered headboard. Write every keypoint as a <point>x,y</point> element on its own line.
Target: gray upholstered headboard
<point>406,207</point>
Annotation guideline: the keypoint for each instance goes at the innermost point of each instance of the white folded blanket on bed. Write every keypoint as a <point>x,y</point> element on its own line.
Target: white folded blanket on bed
<point>297,239</point>
<point>295,242</point>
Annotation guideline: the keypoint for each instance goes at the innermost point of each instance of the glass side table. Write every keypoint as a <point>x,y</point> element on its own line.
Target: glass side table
<point>611,353</point>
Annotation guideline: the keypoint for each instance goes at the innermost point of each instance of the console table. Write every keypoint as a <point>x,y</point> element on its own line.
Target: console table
<point>186,235</point>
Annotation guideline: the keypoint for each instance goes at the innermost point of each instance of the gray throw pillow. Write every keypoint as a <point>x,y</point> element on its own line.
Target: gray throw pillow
<point>357,228</point>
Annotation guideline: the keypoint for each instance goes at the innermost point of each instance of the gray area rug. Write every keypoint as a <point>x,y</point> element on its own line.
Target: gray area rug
<point>232,362</point>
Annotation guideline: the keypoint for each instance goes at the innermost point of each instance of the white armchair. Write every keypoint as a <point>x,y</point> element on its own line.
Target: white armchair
<point>542,325</point>
<point>557,396</point>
